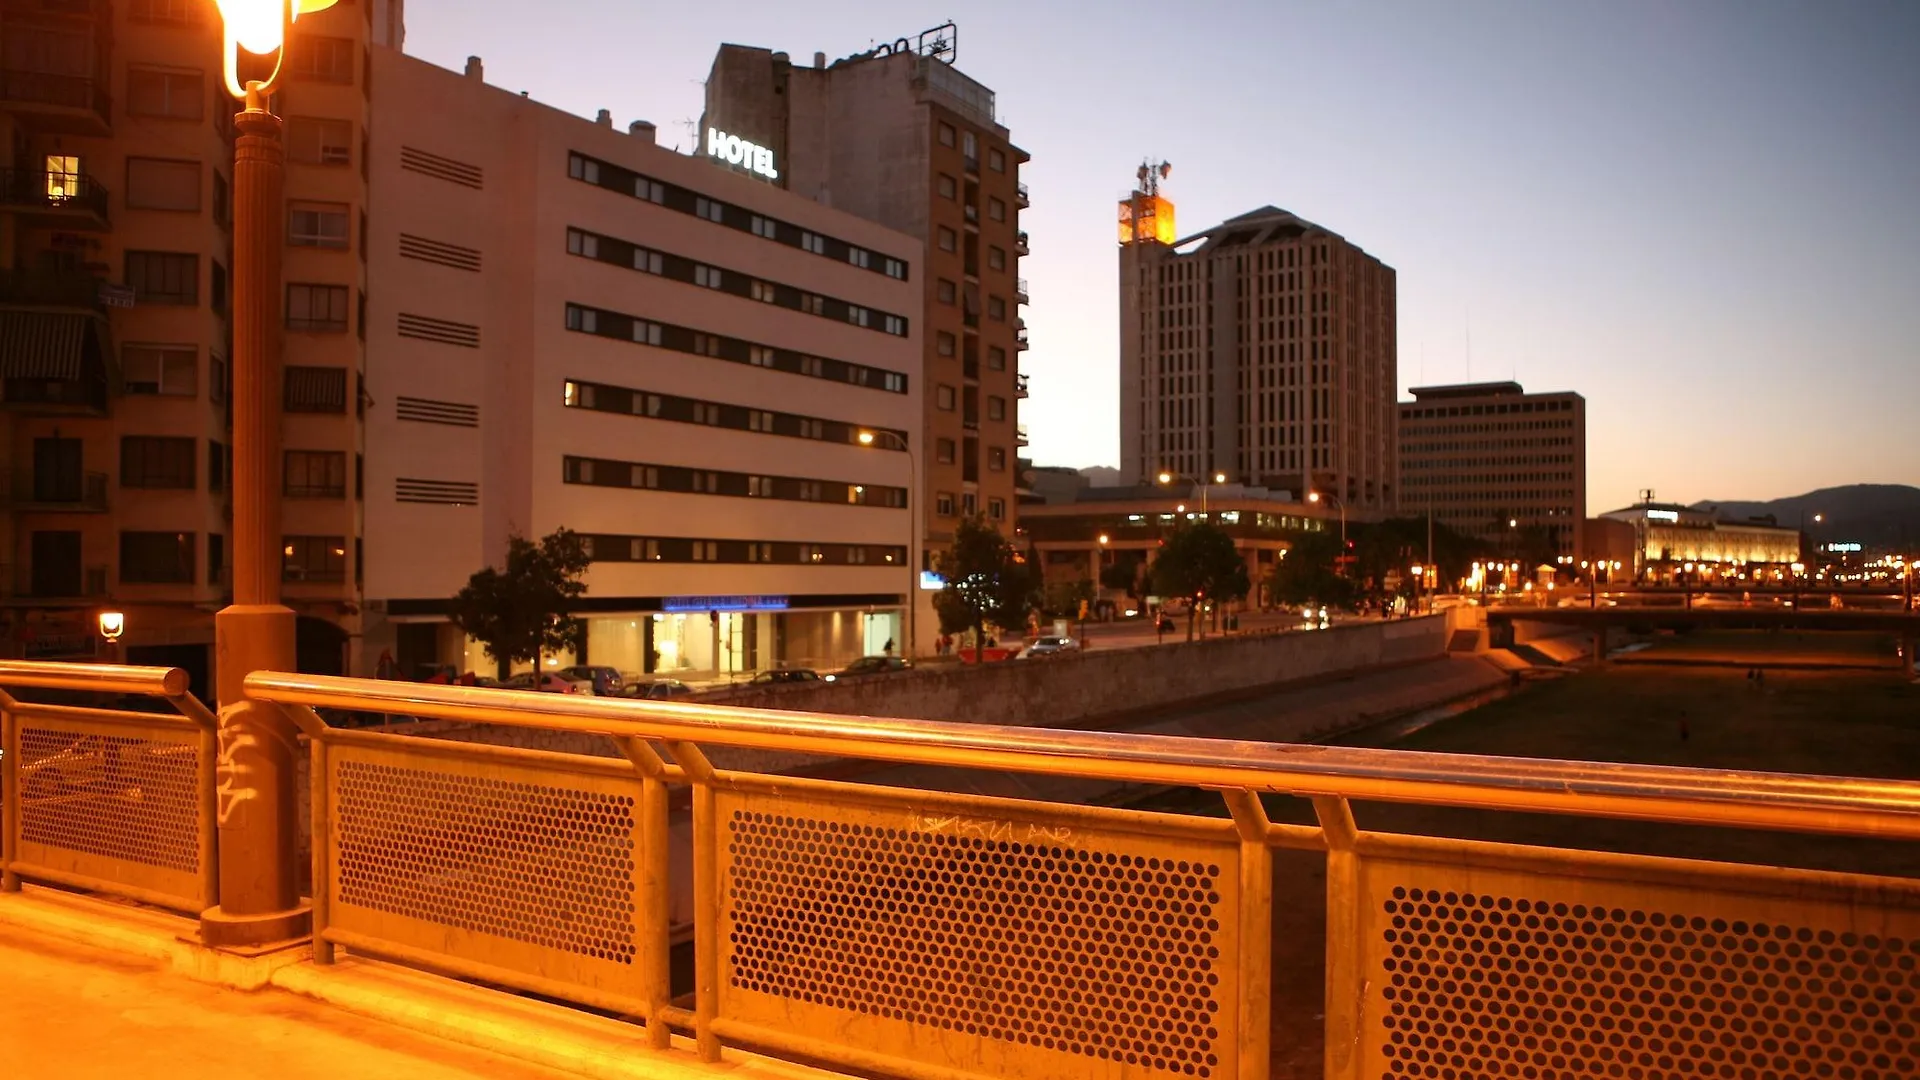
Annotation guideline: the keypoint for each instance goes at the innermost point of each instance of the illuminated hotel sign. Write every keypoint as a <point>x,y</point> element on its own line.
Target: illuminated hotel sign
<point>724,603</point>
<point>1663,515</point>
<point>734,150</point>
<point>1844,548</point>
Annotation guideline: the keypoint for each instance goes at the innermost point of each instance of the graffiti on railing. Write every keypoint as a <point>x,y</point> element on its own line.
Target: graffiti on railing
<point>998,830</point>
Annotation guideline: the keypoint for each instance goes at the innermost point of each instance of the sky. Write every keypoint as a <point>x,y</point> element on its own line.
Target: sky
<point>1703,215</point>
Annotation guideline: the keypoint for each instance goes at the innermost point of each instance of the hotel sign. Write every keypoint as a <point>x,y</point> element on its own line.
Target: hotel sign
<point>725,603</point>
<point>734,150</point>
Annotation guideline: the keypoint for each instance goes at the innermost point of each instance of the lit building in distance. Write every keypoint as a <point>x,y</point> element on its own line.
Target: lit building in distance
<point>577,327</point>
<point>1262,347</point>
<point>115,301</point>
<point>1671,538</point>
<point>1489,459</point>
<point>900,136</point>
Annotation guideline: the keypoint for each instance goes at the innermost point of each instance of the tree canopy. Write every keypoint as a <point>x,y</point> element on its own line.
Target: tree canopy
<point>987,581</point>
<point>525,609</point>
<point>1308,572</point>
<point>1199,562</point>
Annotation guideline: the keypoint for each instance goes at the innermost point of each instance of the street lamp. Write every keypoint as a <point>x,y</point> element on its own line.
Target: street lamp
<point>259,887</point>
<point>1419,579</point>
<point>869,438</point>
<point>1314,497</point>
<point>112,625</point>
<point>1165,478</point>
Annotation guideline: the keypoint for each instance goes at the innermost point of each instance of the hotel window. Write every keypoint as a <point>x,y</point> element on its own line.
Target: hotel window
<point>586,243</point>
<point>895,325</point>
<point>152,184</point>
<point>317,224</point>
<point>167,370</point>
<point>765,227</point>
<point>943,398</point>
<point>859,257</point>
<point>168,92</point>
<point>947,187</point>
<point>943,451</point>
<point>314,141</point>
<point>946,291</point>
<point>760,356</point>
<point>946,134</point>
<point>812,241</point>
<point>708,277</point>
<point>948,239</point>
<point>894,268</point>
<point>763,291</point>
<point>946,343</point>
<point>707,208</point>
<point>996,209</point>
<point>858,315</point>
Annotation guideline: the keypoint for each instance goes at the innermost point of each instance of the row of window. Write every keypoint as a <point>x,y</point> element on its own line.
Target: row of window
<point>679,549</point>
<point>947,504</point>
<point>613,324</point>
<point>943,453</point>
<point>685,200</point>
<point>609,249</point>
<point>604,472</point>
<point>171,463</point>
<point>1408,412</point>
<point>602,397</point>
<point>169,558</point>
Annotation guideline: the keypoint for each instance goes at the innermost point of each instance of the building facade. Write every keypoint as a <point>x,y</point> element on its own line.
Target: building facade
<point>1490,459</point>
<point>1262,348</point>
<point>901,137</point>
<point>115,249</point>
<point>1672,540</point>
<point>579,328</point>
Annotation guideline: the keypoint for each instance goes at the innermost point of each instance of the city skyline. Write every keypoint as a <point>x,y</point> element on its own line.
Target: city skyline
<point>1583,198</point>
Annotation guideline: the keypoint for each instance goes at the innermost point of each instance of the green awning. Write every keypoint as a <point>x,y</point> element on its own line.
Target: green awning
<point>42,345</point>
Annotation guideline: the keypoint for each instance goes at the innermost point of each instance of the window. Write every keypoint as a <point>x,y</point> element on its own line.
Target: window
<point>63,177</point>
<point>315,389</point>
<point>320,59</point>
<point>858,315</point>
<point>159,184</point>
<point>313,558</point>
<point>948,240</point>
<point>317,309</point>
<point>216,379</point>
<point>947,187</point>
<point>895,269</point>
<point>946,291</point>
<point>164,277</point>
<point>184,12</point>
<point>156,558</point>
<point>996,209</point>
<point>216,465</point>
<point>860,257</point>
<point>709,209</point>
<point>946,134</point>
<point>997,458</point>
<point>969,146</point>
<point>996,308</point>
<point>943,451</point>
<point>996,408</point>
<point>218,280</point>
<point>943,504</point>
<point>314,141</point>
<point>996,161</point>
<point>174,93</point>
<point>317,224</point>
<point>763,291</point>
<point>814,242</point>
<point>997,509</point>
<point>167,370</point>
<point>157,461</point>
<point>969,504</point>
<point>946,343</point>
<point>315,474</point>
<point>943,398</point>
<point>996,258</point>
<point>895,325</point>
<point>706,276</point>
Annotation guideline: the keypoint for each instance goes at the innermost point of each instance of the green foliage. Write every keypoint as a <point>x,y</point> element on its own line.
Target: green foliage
<point>1063,598</point>
<point>1309,572</point>
<point>525,610</point>
<point>1199,562</point>
<point>1401,543</point>
<point>1123,575</point>
<point>987,582</point>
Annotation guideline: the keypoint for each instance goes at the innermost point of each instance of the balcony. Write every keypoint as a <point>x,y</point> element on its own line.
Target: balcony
<point>1020,385</point>
<point>972,213</point>
<point>71,201</point>
<point>972,163</point>
<point>1020,435</point>
<point>71,584</point>
<point>1020,196</point>
<point>83,493</point>
<point>970,420</point>
<point>1020,291</point>
<point>971,370</point>
<point>56,104</point>
<point>1020,244</point>
<point>52,288</point>
<point>1020,339</point>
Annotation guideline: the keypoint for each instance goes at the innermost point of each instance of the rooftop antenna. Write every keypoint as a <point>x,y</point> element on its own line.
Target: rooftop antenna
<point>1150,176</point>
<point>692,124</point>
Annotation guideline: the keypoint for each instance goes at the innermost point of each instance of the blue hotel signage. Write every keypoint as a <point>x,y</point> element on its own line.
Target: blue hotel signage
<point>724,603</point>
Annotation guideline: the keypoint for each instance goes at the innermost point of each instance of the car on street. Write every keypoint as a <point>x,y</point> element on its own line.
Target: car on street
<point>551,682</point>
<point>606,681</point>
<point>656,689</point>
<point>868,666</point>
<point>1051,646</point>
<point>786,675</point>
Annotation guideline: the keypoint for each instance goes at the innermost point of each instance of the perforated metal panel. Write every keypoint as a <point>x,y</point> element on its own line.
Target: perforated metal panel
<point>524,867</point>
<point>1020,945</point>
<point>114,801</point>
<point>1481,975</point>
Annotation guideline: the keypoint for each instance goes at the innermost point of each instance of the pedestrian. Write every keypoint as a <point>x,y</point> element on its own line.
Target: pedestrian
<point>887,649</point>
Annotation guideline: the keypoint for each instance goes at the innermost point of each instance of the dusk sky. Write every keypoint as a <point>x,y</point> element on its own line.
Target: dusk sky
<point>1704,216</point>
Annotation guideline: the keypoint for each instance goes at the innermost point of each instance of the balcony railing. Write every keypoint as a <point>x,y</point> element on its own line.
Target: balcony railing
<point>1020,295</point>
<point>1020,435</point>
<point>1020,385</point>
<point>1020,244</point>
<point>52,288</point>
<point>80,493</point>
<point>972,214</point>
<point>65,103</point>
<point>917,933</point>
<point>1020,196</point>
<point>1020,339</point>
<point>67,200</point>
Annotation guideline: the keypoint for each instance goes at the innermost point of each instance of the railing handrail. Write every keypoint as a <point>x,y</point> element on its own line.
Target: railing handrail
<point>1789,801</point>
<point>167,682</point>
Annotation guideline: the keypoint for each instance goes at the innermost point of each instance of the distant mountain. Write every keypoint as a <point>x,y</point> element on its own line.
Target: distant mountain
<point>1877,515</point>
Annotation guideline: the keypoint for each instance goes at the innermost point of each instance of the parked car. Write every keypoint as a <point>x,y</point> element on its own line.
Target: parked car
<point>1052,646</point>
<point>606,681</point>
<point>869,666</point>
<point>551,682</point>
<point>663,689</point>
<point>787,675</point>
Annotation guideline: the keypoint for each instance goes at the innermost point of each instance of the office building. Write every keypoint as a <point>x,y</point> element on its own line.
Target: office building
<point>1262,348</point>
<point>575,327</point>
<point>900,136</point>
<point>114,336</point>
<point>1675,543</point>
<point>1490,460</point>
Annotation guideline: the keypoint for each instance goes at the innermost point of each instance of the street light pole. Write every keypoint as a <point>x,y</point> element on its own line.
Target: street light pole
<point>867,438</point>
<point>1217,478</point>
<point>259,897</point>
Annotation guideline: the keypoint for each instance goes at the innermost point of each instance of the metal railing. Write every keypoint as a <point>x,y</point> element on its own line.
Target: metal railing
<point>57,288</point>
<point>56,91</point>
<point>106,799</point>
<point>1021,195</point>
<point>53,192</point>
<point>77,492</point>
<point>923,934</point>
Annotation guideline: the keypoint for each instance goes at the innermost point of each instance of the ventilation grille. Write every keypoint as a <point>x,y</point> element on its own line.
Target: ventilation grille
<point>441,168</point>
<point>1091,953</point>
<point>442,492</point>
<point>433,251</point>
<point>550,866</point>
<point>444,331</point>
<point>429,411</point>
<point>1496,986</point>
<point>118,797</point>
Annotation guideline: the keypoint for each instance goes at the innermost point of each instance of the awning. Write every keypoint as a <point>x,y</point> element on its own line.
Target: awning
<point>41,345</point>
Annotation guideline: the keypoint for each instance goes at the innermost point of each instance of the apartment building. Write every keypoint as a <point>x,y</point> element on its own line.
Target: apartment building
<point>1490,460</point>
<point>900,136</point>
<point>1263,348</point>
<point>712,379</point>
<point>115,246</point>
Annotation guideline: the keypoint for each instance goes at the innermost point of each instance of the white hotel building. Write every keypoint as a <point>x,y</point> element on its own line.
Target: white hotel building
<point>569,325</point>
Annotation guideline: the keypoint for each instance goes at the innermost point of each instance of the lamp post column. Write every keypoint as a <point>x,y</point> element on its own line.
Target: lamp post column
<point>258,832</point>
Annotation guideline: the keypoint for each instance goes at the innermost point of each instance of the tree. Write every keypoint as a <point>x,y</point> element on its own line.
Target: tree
<point>987,582</point>
<point>1122,576</point>
<point>1307,572</point>
<point>526,610</point>
<point>1199,562</point>
<point>1063,598</point>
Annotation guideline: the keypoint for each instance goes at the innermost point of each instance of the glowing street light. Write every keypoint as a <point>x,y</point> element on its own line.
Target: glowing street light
<point>112,625</point>
<point>1166,478</point>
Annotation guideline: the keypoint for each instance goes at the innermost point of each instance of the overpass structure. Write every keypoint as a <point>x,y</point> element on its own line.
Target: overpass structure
<point>1904,625</point>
